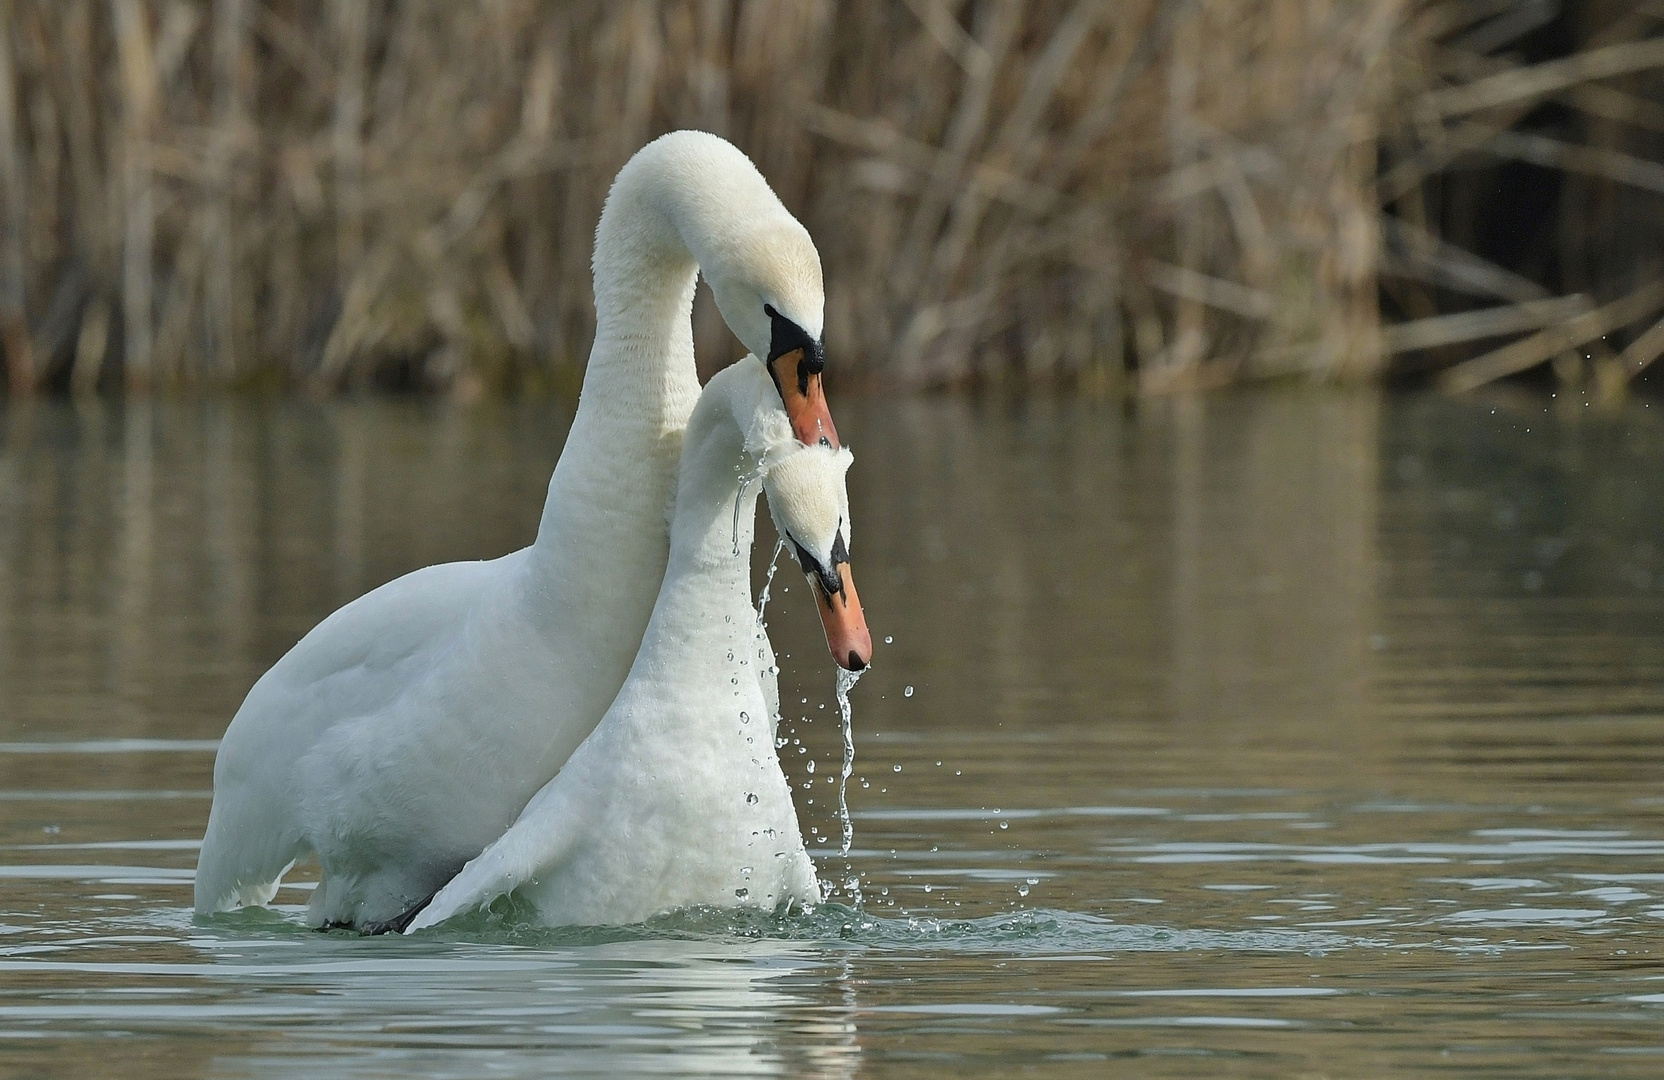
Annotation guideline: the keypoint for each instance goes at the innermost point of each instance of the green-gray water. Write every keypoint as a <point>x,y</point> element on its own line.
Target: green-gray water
<point>1275,735</point>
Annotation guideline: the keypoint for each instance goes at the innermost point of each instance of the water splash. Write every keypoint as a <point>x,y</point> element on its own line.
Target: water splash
<point>768,582</point>
<point>846,683</point>
<point>746,480</point>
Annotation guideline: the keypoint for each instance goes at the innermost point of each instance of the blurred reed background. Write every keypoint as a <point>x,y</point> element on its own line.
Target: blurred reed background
<point>1126,194</point>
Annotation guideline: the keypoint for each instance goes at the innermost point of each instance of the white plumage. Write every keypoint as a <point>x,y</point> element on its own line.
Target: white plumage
<point>677,798</point>
<point>409,729</point>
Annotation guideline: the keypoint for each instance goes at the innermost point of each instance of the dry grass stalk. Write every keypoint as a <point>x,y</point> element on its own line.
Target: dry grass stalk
<point>1544,346</point>
<point>14,327</point>
<point>1483,102</point>
<point>328,192</point>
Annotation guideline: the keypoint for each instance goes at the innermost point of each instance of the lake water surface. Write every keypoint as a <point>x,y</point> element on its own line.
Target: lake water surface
<point>1276,735</point>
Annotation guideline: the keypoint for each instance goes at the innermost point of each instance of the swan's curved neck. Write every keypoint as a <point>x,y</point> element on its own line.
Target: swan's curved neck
<point>705,603</point>
<point>616,475</point>
<point>641,364</point>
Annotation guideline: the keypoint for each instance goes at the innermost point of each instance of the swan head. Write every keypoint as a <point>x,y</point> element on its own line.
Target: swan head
<point>772,298</point>
<point>695,191</point>
<point>810,506</point>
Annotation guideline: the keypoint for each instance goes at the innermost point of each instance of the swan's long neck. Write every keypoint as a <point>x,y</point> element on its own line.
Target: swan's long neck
<point>640,385</point>
<point>595,568</point>
<point>705,604</point>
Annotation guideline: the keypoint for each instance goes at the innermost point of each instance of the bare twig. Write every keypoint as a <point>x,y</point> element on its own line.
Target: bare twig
<point>15,340</point>
<point>1546,78</point>
<point>1541,347</point>
<point>1488,322</point>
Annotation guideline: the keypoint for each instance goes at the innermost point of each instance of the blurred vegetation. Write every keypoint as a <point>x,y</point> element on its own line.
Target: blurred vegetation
<point>1127,194</point>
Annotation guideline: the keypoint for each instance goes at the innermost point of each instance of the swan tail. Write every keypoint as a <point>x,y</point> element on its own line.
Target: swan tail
<point>244,856</point>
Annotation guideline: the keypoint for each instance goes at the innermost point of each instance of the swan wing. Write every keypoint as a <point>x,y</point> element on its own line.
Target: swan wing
<point>356,668</point>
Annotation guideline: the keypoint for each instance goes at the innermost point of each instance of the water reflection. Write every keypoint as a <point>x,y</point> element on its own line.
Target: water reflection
<point>1298,732</point>
<point>662,1008</point>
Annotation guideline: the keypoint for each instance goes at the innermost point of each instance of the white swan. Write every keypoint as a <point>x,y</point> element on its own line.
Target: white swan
<point>677,798</point>
<point>407,730</point>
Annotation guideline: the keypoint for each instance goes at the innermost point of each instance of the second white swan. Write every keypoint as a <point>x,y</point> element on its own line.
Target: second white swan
<point>677,798</point>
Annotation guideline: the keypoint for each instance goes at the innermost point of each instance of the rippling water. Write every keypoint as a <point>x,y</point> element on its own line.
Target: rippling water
<point>1276,735</point>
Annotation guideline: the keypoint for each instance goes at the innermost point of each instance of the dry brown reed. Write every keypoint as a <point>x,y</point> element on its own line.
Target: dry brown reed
<point>1140,193</point>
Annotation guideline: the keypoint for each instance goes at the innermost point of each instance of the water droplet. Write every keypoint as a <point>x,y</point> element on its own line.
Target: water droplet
<point>780,741</point>
<point>1005,824</point>
<point>864,783</point>
<point>1033,880</point>
<point>735,680</point>
<point>927,888</point>
<point>745,718</point>
<point>746,870</point>
<point>741,894</point>
<point>751,798</point>
<point>811,765</point>
<point>730,654</point>
<point>888,639</point>
<point>895,768</point>
<point>908,692</point>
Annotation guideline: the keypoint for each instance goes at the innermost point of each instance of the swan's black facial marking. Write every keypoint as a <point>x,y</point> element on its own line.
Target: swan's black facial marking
<point>803,397</point>
<point>828,578</point>
<point>786,336</point>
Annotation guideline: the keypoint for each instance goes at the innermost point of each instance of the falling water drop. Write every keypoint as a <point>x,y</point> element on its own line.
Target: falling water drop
<point>741,894</point>
<point>745,717</point>
<point>1022,890</point>
<point>768,582</point>
<point>846,682</point>
<point>739,498</point>
<point>908,692</point>
<point>751,798</point>
<point>888,640</point>
<point>811,765</point>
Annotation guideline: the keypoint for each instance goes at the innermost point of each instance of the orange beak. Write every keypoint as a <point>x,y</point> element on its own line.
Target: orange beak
<point>844,621</point>
<point>805,400</point>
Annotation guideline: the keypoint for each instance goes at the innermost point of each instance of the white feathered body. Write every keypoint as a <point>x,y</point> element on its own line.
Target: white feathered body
<point>409,729</point>
<point>677,799</point>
